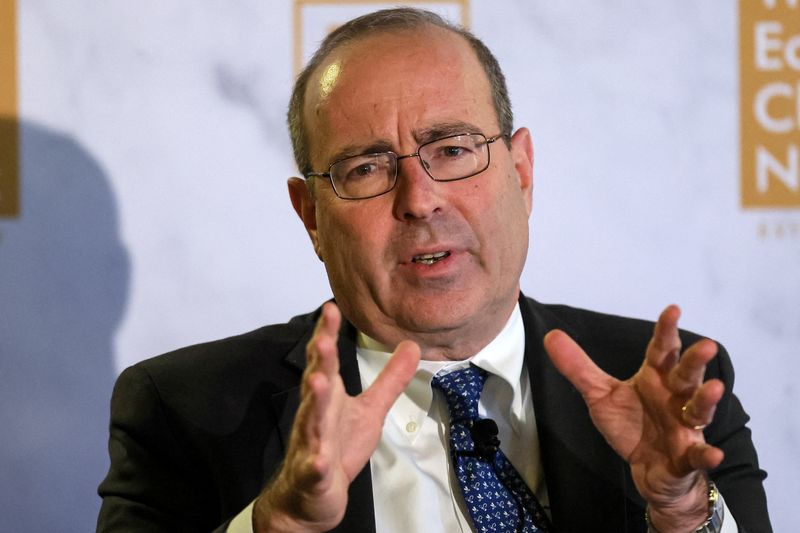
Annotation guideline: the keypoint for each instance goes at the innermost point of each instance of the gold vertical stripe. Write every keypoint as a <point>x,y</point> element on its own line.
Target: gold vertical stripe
<point>298,36</point>
<point>466,21</point>
<point>9,132</point>
<point>754,137</point>
<point>300,4</point>
<point>745,143</point>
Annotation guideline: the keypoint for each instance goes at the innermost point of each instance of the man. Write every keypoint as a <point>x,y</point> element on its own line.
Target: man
<point>417,198</point>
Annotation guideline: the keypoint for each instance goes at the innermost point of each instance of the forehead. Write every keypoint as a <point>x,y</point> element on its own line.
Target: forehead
<point>387,88</point>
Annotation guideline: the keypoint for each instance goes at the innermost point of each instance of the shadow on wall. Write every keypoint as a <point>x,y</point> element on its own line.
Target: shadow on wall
<point>63,289</point>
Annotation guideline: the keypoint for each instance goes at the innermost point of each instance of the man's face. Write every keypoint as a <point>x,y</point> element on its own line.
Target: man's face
<point>394,92</point>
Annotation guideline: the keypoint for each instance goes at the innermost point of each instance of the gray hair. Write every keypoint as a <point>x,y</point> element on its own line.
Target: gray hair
<point>402,18</point>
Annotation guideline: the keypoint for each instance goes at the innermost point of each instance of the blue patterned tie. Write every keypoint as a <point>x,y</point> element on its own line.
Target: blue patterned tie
<point>494,492</point>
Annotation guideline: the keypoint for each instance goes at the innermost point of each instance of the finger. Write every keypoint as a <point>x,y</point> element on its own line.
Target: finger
<point>394,377</point>
<point>320,399</point>
<point>321,352</point>
<point>322,370</point>
<point>322,366</point>
<point>665,345</point>
<point>330,319</point>
<point>576,366</point>
<point>699,410</point>
<point>323,430</point>
<point>308,424</point>
<point>688,374</point>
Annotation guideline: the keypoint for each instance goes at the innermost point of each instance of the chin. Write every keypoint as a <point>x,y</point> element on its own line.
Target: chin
<point>438,314</point>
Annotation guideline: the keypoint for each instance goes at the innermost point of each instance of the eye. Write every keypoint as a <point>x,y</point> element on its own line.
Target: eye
<point>453,151</point>
<point>363,170</point>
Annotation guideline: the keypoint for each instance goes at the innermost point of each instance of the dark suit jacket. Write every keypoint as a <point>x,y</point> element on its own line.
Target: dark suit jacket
<point>196,433</point>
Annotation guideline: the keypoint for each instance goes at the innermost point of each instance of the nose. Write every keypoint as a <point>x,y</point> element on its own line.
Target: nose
<point>417,196</point>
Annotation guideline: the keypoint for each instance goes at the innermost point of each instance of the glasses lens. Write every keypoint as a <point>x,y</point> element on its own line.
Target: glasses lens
<point>364,176</point>
<point>455,158</point>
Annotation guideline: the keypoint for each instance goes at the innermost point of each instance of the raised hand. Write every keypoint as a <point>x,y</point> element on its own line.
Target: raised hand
<point>333,435</point>
<point>654,420</point>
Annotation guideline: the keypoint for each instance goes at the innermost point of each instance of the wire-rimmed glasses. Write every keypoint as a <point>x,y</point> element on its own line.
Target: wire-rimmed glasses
<point>451,158</point>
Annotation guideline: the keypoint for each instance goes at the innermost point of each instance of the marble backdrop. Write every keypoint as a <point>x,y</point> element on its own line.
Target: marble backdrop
<point>155,212</point>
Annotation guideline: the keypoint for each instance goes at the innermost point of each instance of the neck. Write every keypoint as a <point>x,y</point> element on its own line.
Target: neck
<point>455,344</point>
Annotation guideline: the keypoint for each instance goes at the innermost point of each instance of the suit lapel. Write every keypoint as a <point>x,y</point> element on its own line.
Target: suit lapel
<point>587,482</point>
<point>359,514</point>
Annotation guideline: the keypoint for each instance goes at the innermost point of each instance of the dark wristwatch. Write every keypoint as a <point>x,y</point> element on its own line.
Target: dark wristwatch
<point>716,513</point>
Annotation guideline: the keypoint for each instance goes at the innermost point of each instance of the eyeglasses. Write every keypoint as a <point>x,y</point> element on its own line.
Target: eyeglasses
<point>451,158</point>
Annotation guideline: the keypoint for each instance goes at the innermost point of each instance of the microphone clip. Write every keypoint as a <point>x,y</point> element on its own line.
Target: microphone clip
<point>484,435</point>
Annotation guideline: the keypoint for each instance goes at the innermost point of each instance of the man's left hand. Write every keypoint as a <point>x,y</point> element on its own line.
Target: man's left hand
<point>654,420</point>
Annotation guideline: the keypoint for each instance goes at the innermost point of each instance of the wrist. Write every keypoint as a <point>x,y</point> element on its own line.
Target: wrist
<point>681,514</point>
<point>671,518</point>
<point>270,517</point>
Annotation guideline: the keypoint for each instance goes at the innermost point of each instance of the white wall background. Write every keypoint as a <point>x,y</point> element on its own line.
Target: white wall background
<point>155,211</point>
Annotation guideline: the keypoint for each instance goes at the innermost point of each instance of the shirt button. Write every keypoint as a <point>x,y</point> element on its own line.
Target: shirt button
<point>411,427</point>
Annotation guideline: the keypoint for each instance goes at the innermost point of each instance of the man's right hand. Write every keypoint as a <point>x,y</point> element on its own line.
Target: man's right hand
<point>333,436</point>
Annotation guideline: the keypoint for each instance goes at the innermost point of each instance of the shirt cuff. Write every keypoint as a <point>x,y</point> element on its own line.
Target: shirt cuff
<point>729,524</point>
<point>243,522</point>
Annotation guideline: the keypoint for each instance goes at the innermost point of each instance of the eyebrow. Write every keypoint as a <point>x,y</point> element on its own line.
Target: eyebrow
<point>445,129</point>
<point>351,150</point>
<point>431,133</point>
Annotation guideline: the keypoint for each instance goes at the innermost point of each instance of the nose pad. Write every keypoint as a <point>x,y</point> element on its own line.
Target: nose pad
<point>426,166</point>
<point>416,195</point>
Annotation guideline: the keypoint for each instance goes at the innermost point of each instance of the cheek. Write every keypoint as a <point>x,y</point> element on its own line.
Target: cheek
<point>349,238</point>
<point>489,209</point>
<point>500,216</point>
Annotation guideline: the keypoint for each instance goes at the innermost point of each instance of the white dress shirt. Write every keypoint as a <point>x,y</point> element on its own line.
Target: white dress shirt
<point>413,486</point>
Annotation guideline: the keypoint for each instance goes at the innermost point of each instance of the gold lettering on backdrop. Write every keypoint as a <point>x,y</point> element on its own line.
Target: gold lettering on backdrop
<point>336,12</point>
<point>780,229</point>
<point>769,81</point>
<point>9,131</point>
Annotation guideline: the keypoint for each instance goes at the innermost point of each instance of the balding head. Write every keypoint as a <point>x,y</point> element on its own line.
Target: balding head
<point>386,21</point>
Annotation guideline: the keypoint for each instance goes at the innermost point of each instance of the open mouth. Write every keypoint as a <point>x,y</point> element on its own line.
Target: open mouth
<point>429,259</point>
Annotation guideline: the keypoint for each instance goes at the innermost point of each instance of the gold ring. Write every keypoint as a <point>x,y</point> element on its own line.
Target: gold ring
<point>683,417</point>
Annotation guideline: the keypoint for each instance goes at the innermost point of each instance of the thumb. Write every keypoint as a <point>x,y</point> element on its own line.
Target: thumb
<point>394,377</point>
<point>576,366</point>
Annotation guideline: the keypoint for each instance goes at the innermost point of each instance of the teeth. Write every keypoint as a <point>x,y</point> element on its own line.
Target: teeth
<point>429,259</point>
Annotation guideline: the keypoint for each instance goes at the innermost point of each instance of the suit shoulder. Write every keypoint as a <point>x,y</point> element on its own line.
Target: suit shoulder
<point>216,386</point>
<point>258,353</point>
<point>595,325</point>
<point>616,343</point>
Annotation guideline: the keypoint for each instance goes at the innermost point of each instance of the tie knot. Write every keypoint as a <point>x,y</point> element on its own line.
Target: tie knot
<point>462,389</point>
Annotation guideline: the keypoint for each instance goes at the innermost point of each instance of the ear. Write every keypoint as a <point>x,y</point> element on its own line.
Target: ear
<point>522,155</point>
<point>306,209</point>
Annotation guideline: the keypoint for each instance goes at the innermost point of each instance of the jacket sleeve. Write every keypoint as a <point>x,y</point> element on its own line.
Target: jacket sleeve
<point>153,484</point>
<point>739,478</point>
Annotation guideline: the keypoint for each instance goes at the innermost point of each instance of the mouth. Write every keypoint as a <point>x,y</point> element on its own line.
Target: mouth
<point>429,259</point>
